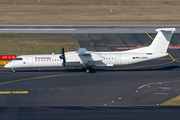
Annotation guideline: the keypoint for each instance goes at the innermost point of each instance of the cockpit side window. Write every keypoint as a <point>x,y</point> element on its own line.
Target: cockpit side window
<point>18,59</point>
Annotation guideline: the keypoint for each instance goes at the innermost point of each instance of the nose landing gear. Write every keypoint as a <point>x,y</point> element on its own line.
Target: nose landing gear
<point>13,70</point>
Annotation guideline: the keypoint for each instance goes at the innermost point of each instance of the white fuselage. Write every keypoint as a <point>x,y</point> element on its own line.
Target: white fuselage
<point>74,60</point>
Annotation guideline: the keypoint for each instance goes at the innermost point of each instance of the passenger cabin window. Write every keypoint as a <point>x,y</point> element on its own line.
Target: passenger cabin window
<point>18,59</point>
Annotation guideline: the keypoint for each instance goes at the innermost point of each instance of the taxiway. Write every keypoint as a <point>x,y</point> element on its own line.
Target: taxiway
<point>144,84</point>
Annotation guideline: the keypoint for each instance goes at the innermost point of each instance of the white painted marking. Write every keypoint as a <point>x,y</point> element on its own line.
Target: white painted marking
<point>147,85</point>
<point>152,84</point>
<point>164,88</point>
<point>161,93</point>
<point>37,29</point>
<point>177,81</point>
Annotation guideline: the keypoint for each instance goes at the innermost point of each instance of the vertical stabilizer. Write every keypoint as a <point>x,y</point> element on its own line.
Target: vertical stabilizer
<point>161,41</point>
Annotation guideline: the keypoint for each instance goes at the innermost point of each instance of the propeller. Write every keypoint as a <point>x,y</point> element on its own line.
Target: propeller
<point>63,57</point>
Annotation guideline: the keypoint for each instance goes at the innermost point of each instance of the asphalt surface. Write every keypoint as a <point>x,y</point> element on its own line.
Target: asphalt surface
<point>104,93</point>
<point>91,113</point>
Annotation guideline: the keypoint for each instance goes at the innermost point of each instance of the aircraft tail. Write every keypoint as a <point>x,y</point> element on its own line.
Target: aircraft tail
<point>161,41</point>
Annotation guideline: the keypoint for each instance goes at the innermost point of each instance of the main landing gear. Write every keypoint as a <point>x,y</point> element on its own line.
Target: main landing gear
<point>86,68</point>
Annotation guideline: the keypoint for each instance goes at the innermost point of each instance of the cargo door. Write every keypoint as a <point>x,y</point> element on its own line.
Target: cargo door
<point>118,59</point>
<point>30,61</point>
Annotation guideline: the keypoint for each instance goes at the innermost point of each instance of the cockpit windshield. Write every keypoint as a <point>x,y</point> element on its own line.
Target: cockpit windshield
<point>18,59</point>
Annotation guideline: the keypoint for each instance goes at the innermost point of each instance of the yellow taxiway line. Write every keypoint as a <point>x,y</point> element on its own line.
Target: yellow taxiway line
<point>13,92</point>
<point>144,66</point>
<point>49,76</point>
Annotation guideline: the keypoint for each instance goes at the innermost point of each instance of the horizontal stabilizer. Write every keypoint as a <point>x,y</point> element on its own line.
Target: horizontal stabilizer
<point>166,29</point>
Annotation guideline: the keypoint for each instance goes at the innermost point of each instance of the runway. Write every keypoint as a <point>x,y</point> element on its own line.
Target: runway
<point>46,29</point>
<point>144,84</point>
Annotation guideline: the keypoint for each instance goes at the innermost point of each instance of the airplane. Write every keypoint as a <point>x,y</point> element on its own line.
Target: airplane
<point>86,59</point>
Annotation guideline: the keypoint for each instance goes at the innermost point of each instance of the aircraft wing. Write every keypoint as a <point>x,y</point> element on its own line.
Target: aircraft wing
<point>89,55</point>
<point>83,51</point>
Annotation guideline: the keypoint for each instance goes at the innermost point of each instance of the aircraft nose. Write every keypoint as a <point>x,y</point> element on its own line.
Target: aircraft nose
<point>7,65</point>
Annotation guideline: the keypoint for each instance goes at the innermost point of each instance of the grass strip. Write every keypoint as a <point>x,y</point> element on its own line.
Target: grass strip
<point>172,102</point>
<point>24,44</point>
<point>90,12</point>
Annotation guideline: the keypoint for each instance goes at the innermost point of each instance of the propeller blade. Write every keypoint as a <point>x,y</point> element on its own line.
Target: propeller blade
<point>64,62</point>
<point>63,57</point>
<point>63,50</point>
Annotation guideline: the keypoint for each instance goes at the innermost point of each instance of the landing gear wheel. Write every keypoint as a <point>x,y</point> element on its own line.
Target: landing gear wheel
<point>13,70</point>
<point>87,71</point>
<point>86,68</point>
